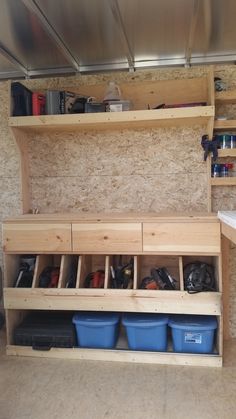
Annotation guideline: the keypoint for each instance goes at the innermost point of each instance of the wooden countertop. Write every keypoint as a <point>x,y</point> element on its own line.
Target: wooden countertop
<point>117,217</point>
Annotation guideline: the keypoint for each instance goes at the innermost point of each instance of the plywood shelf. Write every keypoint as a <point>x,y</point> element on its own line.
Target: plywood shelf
<point>227,152</point>
<point>226,124</point>
<point>169,358</point>
<point>116,120</point>
<point>225,97</point>
<point>223,181</point>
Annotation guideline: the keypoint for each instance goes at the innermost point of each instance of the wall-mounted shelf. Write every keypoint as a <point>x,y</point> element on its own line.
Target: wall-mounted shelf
<point>225,97</point>
<point>227,152</point>
<point>142,95</point>
<point>226,124</point>
<point>223,181</point>
<point>116,120</point>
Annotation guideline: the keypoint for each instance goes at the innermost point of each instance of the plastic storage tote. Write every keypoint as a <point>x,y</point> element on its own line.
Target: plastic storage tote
<point>146,332</point>
<point>193,334</point>
<point>97,329</point>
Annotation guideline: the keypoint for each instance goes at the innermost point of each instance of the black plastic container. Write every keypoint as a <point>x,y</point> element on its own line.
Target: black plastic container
<point>46,330</point>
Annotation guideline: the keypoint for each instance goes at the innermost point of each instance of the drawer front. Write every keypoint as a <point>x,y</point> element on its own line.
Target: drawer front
<point>181,237</point>
<point>107,237</point>
<point>36,237</point>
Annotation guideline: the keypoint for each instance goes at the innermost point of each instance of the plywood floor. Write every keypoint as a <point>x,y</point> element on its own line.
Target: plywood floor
<point>60,389</point>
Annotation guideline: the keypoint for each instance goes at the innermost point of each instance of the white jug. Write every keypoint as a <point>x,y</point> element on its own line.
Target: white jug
<point>112,92</point>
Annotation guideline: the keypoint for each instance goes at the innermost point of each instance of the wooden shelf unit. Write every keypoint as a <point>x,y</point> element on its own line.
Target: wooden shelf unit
<point>142,95</point>
<point>228,125</point>
<point>171,241</point>
<point>145,237</point>
<point>224,125</point>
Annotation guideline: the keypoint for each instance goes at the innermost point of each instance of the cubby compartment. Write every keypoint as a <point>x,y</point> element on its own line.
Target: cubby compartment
<point>88,266</point>
<point>171,265</point>
<point>19,270</point>
<point>210,268</point>
<point>47,271</point>
<point>122,272</point>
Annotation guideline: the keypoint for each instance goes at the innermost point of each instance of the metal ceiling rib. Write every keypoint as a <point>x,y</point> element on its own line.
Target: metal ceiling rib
<point>11,59</point>
<point>47,37</point>
<point>25,39</point>
<point>216,29</point>
<point>35,9</point>
<point>90,29</point>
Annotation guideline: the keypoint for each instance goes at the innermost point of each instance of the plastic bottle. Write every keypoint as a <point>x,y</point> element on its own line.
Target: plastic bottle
<point>112,92</point>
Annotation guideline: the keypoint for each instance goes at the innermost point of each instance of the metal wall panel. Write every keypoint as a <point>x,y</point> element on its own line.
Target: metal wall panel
<point>88,27</point>
<point>157,29</point>
<point>5,65</point>
<point>22,34</point>
<point>216,29</point>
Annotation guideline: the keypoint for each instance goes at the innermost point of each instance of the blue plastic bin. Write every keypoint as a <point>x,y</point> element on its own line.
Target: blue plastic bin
<point>146,332</point>
<point>193,334</point>
<point>97,329</point>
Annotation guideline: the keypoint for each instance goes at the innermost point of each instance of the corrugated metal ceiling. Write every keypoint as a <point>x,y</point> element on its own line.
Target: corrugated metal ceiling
<point>43,37</point>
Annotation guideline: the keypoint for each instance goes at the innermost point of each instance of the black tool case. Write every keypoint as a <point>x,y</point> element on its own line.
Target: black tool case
<point>21,100</point>
<point>45,330</point>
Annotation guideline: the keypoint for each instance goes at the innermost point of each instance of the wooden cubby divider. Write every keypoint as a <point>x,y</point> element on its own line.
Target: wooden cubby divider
<point>181,274</point>
<point>136,271</point>
<point>217,262</point>
<point>84,267</point>
<point>107,272</point>
<point>42,261</point>
<point>65,267</point>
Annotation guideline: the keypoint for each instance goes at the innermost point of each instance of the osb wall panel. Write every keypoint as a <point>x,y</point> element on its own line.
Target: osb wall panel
<point>115,171</point>
<point>132,170</point>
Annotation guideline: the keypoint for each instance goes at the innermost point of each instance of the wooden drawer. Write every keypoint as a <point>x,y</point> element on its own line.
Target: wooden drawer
<point>181,237</point>
<point>36,237</point>
<point>107,237</point>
